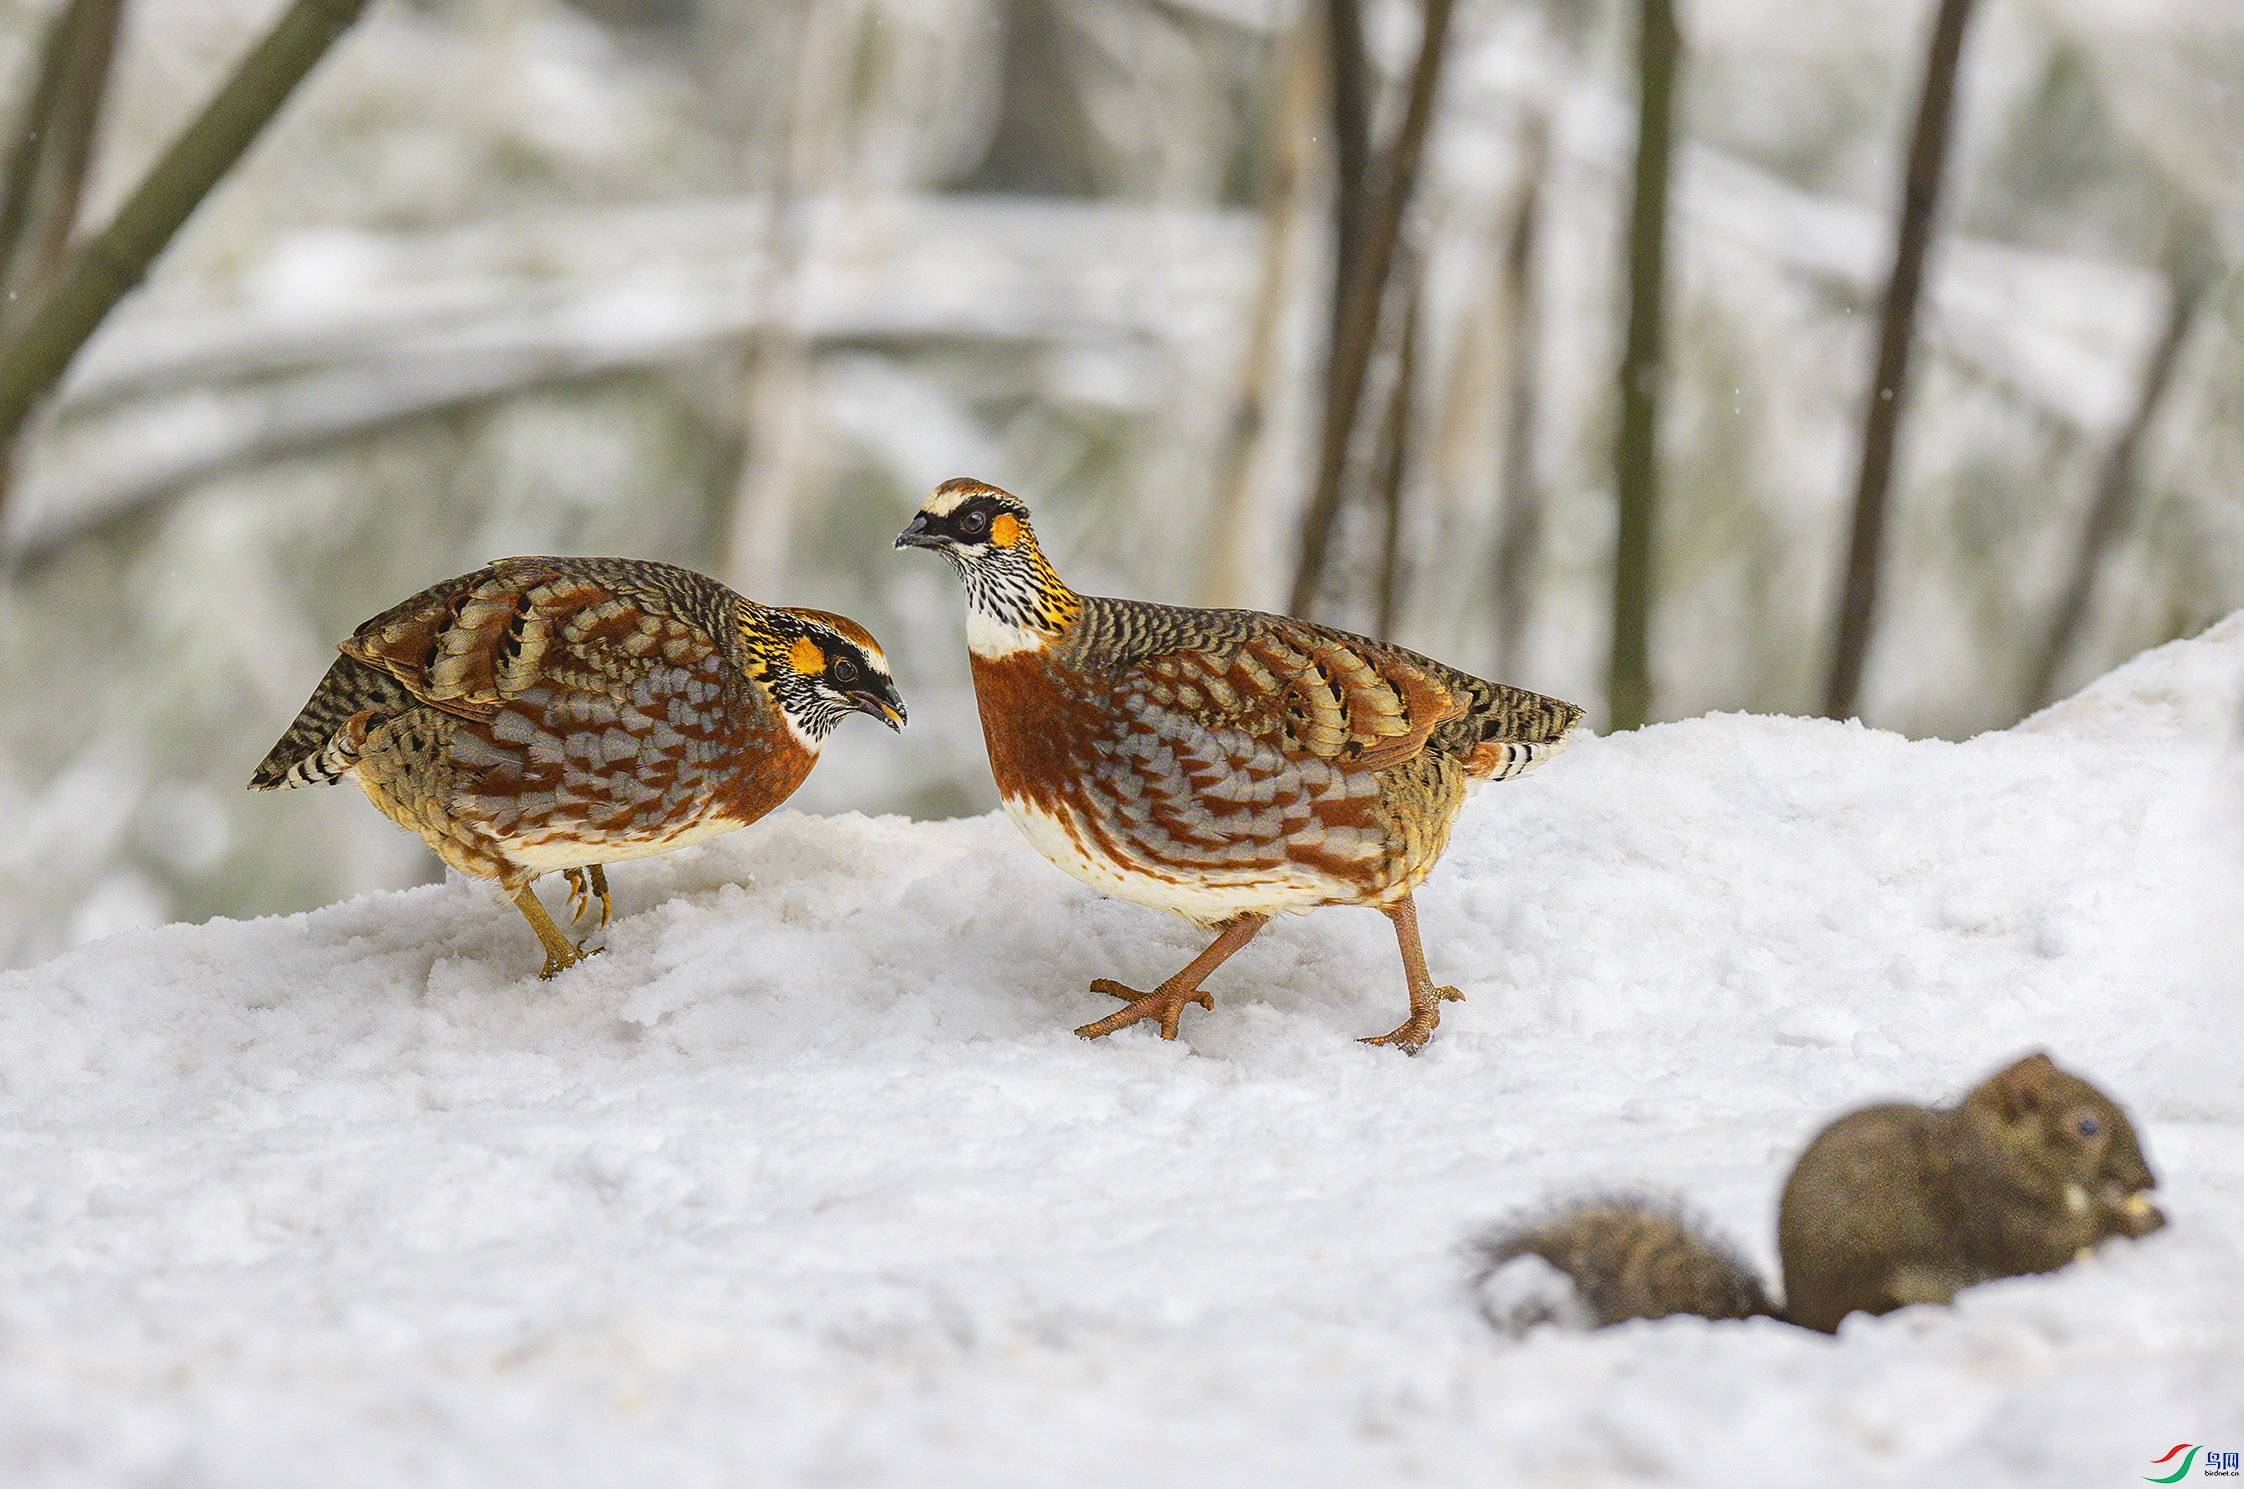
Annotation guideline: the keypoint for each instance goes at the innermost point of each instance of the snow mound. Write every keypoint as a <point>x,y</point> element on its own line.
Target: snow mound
<point>806,1180</point>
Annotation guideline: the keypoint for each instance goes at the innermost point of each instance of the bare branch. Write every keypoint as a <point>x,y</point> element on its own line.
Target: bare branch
<point>1628,693</point>
<point>1360,296</point>
<point>1394,439</point>
<point>2115,485</point>
<point>1348,96</point>
<point>1225,579</point>
<point>1921,193</point>
<point>1520,510</point>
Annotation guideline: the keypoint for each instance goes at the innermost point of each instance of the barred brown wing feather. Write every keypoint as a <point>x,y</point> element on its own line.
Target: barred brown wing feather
<point>1388,704</point>
<point>1305,692</point>
<point>490,636</point>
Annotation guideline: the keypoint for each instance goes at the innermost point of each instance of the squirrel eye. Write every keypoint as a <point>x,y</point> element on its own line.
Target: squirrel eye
<point>2087,1125</point>
<point>973,522</point>
<point>845,671</point>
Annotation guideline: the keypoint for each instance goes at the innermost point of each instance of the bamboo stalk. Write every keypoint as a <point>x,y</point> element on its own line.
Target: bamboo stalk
<point>1394,440</point>
<point>1226,579</point>
<point>783,442</point>
<point>47,166</point>
<point>1348,100</point>
<point>1628,693</point>
<point>33,124</point>
<point>59,182</point>
<point>112,263</point>
<point>1928,151</point>
<point>1361,293</point>
<point>1520,509</point>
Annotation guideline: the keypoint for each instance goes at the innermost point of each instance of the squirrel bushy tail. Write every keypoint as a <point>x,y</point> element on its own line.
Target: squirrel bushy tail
<point>1890,1205</point>
<point>1633,1256</point>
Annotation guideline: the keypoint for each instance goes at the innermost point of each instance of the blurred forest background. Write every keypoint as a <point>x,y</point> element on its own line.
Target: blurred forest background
<point>732,283</point>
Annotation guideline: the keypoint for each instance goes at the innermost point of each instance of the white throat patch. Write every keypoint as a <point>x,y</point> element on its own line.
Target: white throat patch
<point>990,638</point>
<point>805,740</point>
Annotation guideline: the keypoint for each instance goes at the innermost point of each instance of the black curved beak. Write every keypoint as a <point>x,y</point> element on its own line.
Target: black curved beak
<point>919,533</point>
<point>880,699</point>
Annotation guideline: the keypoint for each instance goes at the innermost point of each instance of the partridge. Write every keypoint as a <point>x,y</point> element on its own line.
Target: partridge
<point>1225,765</point>
<point>565,713</point>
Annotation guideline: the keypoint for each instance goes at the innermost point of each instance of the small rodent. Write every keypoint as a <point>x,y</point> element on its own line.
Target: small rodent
<point>1890,1205</point>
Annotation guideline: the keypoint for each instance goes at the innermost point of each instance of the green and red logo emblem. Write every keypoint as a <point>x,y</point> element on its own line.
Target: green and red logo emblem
<point>2218,1465</point>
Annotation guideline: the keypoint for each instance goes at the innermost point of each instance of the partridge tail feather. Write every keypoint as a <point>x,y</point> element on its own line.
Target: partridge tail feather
<point>322,745</point>
<point>1501,759</point>
<point>1508,731</point>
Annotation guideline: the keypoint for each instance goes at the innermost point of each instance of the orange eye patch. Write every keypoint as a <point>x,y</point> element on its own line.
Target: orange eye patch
<point>806,657</point>
<point>1005,531</point>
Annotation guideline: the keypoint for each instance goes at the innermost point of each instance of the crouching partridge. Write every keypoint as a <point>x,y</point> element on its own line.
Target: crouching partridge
<point>1221,764</point>
<point>564,713</point>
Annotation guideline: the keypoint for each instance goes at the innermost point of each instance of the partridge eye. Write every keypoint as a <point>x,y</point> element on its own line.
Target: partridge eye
<point>973,522</point>
<point>845,671</point>
<point>2087,1125</point>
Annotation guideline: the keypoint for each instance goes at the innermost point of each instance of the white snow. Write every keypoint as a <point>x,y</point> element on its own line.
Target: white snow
<point>806,1181</point>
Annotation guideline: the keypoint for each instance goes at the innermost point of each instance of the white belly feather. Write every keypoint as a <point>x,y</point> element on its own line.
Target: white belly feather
<point>1210,896</point>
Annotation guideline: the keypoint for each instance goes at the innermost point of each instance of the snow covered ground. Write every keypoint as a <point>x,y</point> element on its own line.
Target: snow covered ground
<point>805,1181</point>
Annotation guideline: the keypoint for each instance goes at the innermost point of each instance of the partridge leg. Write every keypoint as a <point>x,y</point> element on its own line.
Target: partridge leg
<point>559,954</point>
<point>1167,1001</point>
<point>579,900</point>
<point>1425,998</point>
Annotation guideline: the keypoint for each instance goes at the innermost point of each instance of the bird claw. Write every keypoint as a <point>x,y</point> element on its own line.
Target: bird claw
<point>554,965</point>
<point>583,885</point>
<point>1163,1002</point>
<point>1411,1037</point>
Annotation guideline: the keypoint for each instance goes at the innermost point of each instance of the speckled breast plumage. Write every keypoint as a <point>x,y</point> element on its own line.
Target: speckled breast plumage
<point>1218,762</point>
<point>544,713</point>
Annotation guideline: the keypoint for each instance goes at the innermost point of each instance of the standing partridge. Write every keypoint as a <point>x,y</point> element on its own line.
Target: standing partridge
<point>1221,764</point>
<point>564,713</point>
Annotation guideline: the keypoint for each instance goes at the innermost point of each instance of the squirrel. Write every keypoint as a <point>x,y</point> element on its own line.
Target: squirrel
<point>1890,1205</point>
